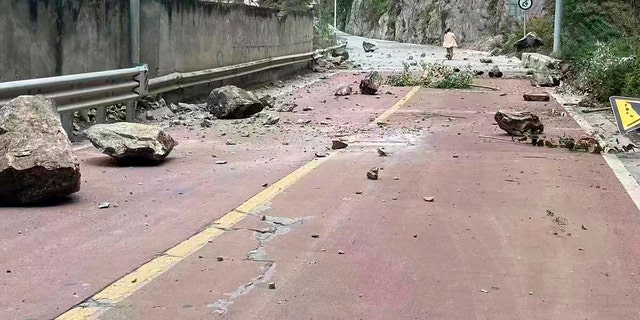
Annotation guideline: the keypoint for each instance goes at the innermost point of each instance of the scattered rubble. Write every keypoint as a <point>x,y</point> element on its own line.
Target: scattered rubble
<point>37,163</point>
<point>372,174</point>
<point>519,123</point>
<point>371,83</point>
<point>540,97</point>
<point>231,102</point>
<point>344,91</point>
<point>337,144</point>
<point>131,141</point>
<point>369,46</point>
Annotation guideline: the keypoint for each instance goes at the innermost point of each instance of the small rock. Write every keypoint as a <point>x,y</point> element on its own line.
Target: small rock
<point>484,291</point>
<point>541,97</point>
<point>583,227</point>
<point>220,258</point>
<point>396,178</point>
<point>104,205</point>
<point>344,91</point>
<point>206,123</point>
<point>321,154</point>
<point>264,185</point>
<point>268,101</point>
<point>340,252</point>
<point>230,143</point>
<point>423,55</point>
<point>132,141</point>
<point>221,162</point>
<point>316,236</point>
<point>271,120</point>
<point>381,153</point>
<point>371,83</point>
<point>486,60</point>
<point>373,173</point>
<point>495,72</point>
<point>337,144</point>
<point>272,285</point>
<point>287,107</point>
<point>429,199</point>
<point>369,46</point>
<point>307,109</point>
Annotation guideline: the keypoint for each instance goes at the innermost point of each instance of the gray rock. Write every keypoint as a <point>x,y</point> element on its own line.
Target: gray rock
<point>337,144</point>
<point>231,102</point>
<point>486,60</point>
<point>287,107</point>
<point>342,53</point>
<point>369,46</point>
<point>271,120</point>
<point>344,91</point>
<point>371,83</point>
<point>544,80</point>
<point>131,141</point>
<point>36,160</point>
<point>268,101</point>
<point>206,123</point>
<point>187,107</point>
<point>160,113</point>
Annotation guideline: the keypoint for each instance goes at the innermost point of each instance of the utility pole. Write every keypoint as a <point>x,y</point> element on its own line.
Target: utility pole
<point>557,27</point>
<point>335,14</point>
<point>134,32</point>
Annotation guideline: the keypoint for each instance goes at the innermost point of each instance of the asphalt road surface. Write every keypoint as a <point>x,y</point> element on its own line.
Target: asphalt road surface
<point>463,223</point>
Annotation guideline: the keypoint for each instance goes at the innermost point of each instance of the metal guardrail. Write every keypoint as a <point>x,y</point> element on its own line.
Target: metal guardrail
<point>179,80</point>
<point>79,92</point>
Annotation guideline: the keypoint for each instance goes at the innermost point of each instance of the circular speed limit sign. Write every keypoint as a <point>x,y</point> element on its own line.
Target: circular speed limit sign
<point>525,4</point>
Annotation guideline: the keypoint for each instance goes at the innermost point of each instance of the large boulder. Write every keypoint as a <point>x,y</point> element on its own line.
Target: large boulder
<point>371,83</point>
<point>369,46</point>
<point>231,102</point>
<point>131,141</point>
<point>36,160</point>
<point>531,40</point>
<point>519,123</point>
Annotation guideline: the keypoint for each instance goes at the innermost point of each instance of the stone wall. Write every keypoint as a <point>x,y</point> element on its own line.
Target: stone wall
<point>42,38</point>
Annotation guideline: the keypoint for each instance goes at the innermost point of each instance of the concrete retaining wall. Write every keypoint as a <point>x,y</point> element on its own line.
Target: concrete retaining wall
<point>42,38</point>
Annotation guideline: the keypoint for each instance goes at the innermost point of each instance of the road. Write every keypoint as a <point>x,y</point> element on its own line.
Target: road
<point>513,231</point>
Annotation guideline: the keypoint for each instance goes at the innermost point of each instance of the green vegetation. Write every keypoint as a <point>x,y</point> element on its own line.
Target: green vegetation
<point>600,39</point>
<point>434,76</point>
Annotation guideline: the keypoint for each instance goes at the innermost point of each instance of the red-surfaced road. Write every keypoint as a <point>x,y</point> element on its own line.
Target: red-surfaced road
<point>514,231</point>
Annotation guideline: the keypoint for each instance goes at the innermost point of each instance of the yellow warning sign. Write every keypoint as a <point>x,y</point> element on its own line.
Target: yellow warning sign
<point>627,113</point>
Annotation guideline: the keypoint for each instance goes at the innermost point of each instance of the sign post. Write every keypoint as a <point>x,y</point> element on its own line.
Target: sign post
<point>525,5</point>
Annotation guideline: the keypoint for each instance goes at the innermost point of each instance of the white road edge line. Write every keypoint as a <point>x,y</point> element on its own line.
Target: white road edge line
<point>624,176</point>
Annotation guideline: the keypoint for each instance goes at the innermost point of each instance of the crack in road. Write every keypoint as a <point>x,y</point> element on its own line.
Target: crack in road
<point>277,226</point>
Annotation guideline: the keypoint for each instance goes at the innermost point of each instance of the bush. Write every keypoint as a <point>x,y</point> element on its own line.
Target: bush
<point>605,71</point>
<point>445,77</point>
<point>632,81</point>
<point>434,76</point>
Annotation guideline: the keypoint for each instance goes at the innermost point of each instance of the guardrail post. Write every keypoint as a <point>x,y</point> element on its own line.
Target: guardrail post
<point>66,119</point>
<point>101,115</point>
<point>131,111</point>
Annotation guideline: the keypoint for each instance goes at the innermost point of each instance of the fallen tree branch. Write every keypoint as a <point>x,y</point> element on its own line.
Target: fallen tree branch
<point>485,87</point>
<point>595,110</point>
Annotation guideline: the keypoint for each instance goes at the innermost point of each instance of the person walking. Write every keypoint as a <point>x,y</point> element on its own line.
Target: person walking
<point>449,42</point>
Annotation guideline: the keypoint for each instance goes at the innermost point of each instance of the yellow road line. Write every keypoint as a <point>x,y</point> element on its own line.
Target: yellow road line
<point>134,281</point>
<point>397,106</point>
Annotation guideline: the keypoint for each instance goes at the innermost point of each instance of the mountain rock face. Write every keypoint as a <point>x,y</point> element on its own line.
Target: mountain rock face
<point>424,21</point>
